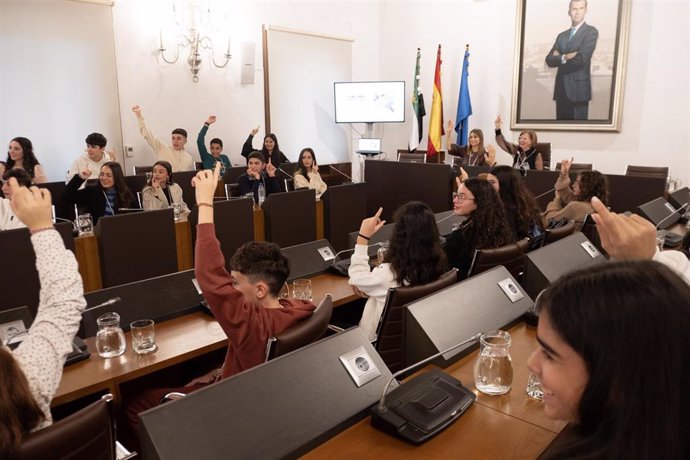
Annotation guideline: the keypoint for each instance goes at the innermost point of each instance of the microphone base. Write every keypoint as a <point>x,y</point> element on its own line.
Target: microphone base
<point>422,407</point>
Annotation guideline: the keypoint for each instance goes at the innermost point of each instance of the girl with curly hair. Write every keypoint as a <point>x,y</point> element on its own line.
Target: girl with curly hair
<point>486,226</point>
<point>414,257</point>
<point>522,212</point>
<point>575,203</point>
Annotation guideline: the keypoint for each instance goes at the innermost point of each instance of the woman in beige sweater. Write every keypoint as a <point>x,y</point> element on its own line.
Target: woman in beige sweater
<point>307,173</point>
<point>574,203</point>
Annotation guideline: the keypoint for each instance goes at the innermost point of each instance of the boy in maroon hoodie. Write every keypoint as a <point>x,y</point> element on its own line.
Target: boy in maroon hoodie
<point>245,302</point>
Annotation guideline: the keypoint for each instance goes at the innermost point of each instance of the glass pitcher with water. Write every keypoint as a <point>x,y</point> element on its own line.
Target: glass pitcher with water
<point>493,370</point>
<point>110,339</point>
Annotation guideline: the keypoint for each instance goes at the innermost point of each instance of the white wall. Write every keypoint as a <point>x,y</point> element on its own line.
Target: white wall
<point>656,99</point>
<point>170,98</point>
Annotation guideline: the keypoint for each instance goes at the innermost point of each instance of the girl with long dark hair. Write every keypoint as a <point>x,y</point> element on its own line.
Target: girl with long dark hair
<point>307,172</point>
<point>109,194</point>
<point>161,192</point>
<point>270,149</point>
<point>20,155</point>
<point>414,257</point>
<point>613,361</point>
<point>485,228</point>
<point>522,212</point>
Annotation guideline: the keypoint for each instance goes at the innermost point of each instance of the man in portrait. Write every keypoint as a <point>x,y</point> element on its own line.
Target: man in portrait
<point>572,55</point>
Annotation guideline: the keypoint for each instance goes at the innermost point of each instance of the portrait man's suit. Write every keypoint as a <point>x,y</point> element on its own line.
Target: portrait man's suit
<point>573,89</point>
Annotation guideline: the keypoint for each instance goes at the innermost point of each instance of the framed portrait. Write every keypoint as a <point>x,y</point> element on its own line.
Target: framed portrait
<point>570,64</point>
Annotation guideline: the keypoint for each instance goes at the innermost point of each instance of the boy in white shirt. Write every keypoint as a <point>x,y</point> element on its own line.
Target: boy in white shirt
<point>8,221</point>
<point>93,158</point>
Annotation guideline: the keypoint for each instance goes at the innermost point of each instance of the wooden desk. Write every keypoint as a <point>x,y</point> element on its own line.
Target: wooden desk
<point>508,426</point>
<point>89,260</point>
<point>178,340</point>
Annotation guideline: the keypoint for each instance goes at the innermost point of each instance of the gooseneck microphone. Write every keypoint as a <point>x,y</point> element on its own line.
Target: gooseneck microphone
<point>382,402</point>
<point>545,193</point>
<point>341,173</point>
<point>677,211</point>
<point>112,301</point>
<point>353,249</point>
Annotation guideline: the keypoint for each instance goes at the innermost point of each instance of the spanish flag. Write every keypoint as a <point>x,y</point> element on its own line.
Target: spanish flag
<point>436,120</point>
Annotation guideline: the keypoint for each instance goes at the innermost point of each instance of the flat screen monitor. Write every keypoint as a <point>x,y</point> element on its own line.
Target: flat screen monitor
<point>369,102</point>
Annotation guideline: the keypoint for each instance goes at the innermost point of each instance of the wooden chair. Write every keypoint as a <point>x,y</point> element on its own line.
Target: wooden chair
<point>412,157</point>
<point>647,171</point>
<point>545,149</point>
<point>556,234</point>
<point>390,333</point>
<point>301,334</point>
<point>576,168</point>
<point>87,434</point>
<point>510,256</point>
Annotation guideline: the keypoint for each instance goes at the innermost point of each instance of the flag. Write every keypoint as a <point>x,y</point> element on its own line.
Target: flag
<point>436,119</point>
<point>464,103</point>
<point>418,109</point>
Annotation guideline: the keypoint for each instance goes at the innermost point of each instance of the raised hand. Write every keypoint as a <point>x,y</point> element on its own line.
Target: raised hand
<point>372,224</point>
<point>255,130</point>
<point>450,125</point>
<point>155,184</point>
<point>498,122</point>
<point>112,154</point>
<point>623,237</point>
<point>211,119</point>
<point>463,176</point>
<point>85,174</point>
<point>31,206</point>
<point>270,169</point>
<point>205,183</point>
<point>490,155</point>
<point>565,166</point>
<point>315,168</point>
<point>137,110</point>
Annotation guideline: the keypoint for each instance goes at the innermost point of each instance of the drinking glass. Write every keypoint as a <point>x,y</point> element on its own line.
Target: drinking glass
<point>301,289</point>
<point>84,224</point>
<point>493,370</point>
<point>176,210</point>
<point>534,389</point>
<point>110,339</point>
<point>149,175</point>
<point>284,292</point>
<point>143,336</point>
<point>381,253</point>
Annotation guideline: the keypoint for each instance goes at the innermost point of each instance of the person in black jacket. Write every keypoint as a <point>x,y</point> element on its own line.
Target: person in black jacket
<point>270,149</point>
<point>105,197</point>
<point>255,176</point>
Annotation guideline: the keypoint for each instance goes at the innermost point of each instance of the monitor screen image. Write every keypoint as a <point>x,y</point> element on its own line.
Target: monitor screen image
<point>369,102</point>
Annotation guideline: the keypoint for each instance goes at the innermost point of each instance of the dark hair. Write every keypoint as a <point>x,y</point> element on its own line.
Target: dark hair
<point>29,160</point>
<point>180,131</point>
<point>168,167</point>
<point>262,261</point>
<point>629,323</point>
<point>256,154</point>
<point>96,139</point>
<point>275,148</point>
<point>486,227</point>
<point>124,195</point>
<point>23,178</point>
<point>19,411</point>
<point>593,183</point>
<point>517,199</point>
<point>415,251</point>
<point>300,167</point>
<point>215,140</point>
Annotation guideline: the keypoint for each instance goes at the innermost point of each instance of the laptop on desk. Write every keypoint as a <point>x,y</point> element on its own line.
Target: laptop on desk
<point>369,147</point>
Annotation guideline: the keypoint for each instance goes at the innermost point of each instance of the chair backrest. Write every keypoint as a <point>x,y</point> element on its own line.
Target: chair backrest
<point>289,184</point>
<point>556,234</point>
<point>576,168</point>
<point>390,337</point>
<point>412,157</point>
<point>87,434</point>
<point>545,149</point>
<point>198,165</point>
<point>142,169</point>
<point>510,256</point>
<point>303,333</point>
<point>232,191</point>
<point>647,171</point>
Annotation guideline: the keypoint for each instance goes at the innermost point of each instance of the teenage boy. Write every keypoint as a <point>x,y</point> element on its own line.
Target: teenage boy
<point>245,302</point>
<point>175,154</point>
<point>93,158</point>
<point>209,160</point>
<point>255,176</point>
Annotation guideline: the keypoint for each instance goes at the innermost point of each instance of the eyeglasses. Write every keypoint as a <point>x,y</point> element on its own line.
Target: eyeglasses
<point>462,197</point>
